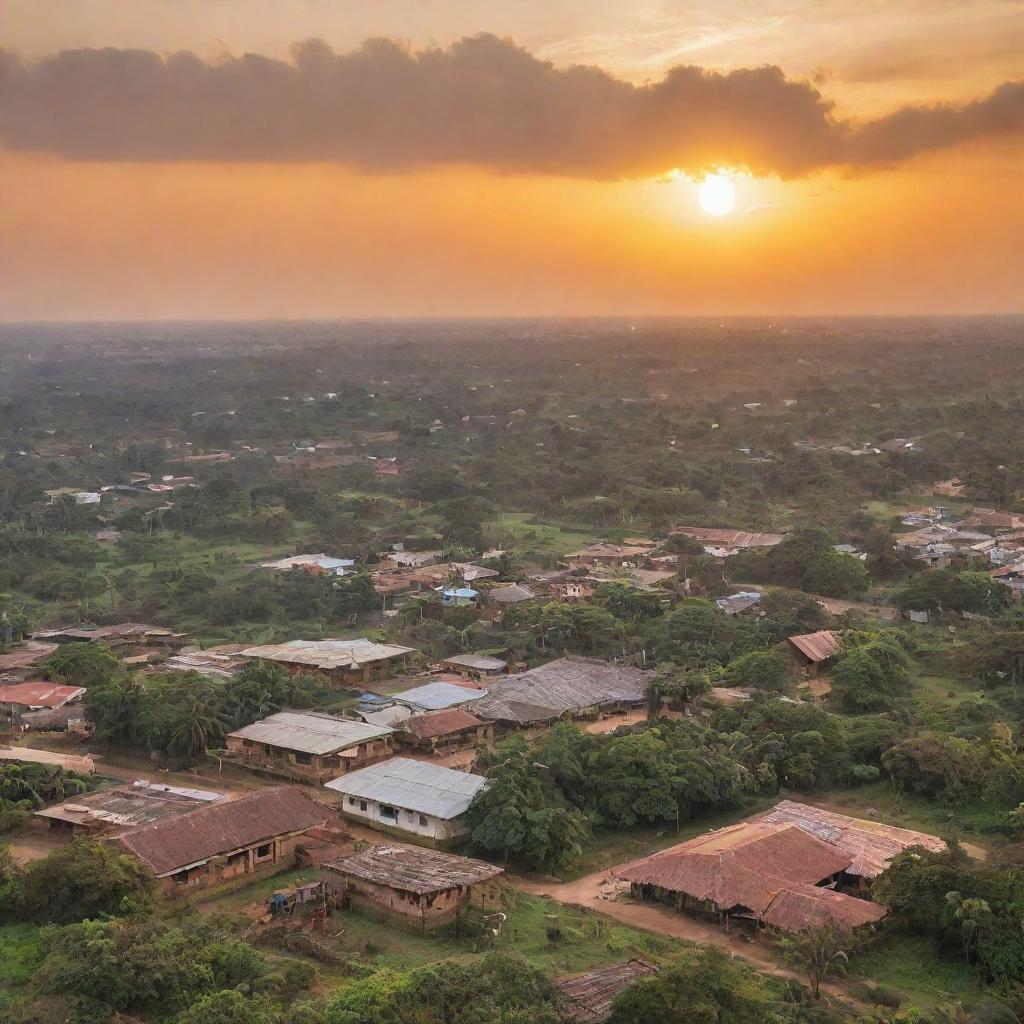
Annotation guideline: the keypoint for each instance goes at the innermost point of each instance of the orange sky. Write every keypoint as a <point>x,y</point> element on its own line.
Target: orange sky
<point>127,234</point>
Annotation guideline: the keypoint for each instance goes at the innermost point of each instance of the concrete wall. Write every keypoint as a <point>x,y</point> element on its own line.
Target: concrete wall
<point>426,826</point>
<point>288,763</point>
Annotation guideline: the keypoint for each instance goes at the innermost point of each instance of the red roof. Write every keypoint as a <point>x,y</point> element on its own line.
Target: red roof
<point>39,694</point>
<point>439,723</point>
<point>808,906</point>
<point>172,844</point>
<point>743,865</point>
<point>818,646</point>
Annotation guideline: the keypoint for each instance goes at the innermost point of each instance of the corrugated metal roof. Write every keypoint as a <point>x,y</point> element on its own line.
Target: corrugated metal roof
<point>39,694</point>
<point>818,646</point>
<point>327,654</point>
<point>385,716</point>
<point>439,723</point>
<point>412,786</point>
<point>572,684</point>
<point>172,844</point>
<point>870,844</point>
<point>437,696</point>
<point>414,869</point>
<point>310,732</point>
<point>481,662</point>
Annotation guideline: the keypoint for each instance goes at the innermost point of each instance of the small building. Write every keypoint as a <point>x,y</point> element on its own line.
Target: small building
<point>221,662</point>
<point>109,811</point>
<point>437,696</point>
<point>409,797</point>
<point>589,996</point>
<point>443,732</point>
<point>740,602</point>
<point>603,553</point>
<point>422,889</point>
<point>475,666</point>
<point>336,662</point>
<point>723,543</point>
<point>22,662</point>
<point>319,564</point>
<point>575,687</point>
<point>810,651</point>
<point>308,746</point>
<point>19,699</point>
<point>255,834</point>
<point>459,597</point>
<point>124,634</point>
<point>509,594</point>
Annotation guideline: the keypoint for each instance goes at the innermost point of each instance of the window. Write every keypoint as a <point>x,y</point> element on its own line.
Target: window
<point>423,820</point>
<point>409,816</point>
<point>387,811</point>
<point>301,757</point>
<point>352,801</point>
<point>181,877</point>
<point>362,805</point>
<point>264,851</point>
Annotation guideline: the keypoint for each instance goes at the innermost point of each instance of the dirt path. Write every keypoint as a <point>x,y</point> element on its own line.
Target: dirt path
<point>593,892</point>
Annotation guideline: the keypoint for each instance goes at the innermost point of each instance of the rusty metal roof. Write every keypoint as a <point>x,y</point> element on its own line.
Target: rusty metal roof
<point>414,869</point>
<point>328,654</point>
<point>39,694</point>
<point>818,646</point>
<point>311,732</point>
<point>439,723</point>
<point>590,995</point>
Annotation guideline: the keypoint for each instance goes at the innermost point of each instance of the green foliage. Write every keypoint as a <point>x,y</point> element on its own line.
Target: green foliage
<point>84,879</point>
<point>763,670</point>
<point>703,987</point>
<point>951,591</point>
<point>498,989</point>
<point>86,665</point>
<point>972,909</point>
<point>697,634</point>
<point>818,952</point>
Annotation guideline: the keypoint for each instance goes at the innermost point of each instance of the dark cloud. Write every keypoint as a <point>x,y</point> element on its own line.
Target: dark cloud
<point>484,101</point>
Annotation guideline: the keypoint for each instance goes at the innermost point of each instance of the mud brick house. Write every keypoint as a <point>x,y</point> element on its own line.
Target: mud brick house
<point>335,662</point>
<point>421,889</point>
<point>308,746</point>
<point>215,844</point>
<point>441,732</point>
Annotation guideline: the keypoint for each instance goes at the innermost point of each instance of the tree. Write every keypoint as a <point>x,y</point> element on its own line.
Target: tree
<point>705,986</point>
<point>82,880</point>
<point>519,815</point>
<point>763,670</point>
<point>626,602</point>
<point>86,664</point>
<point>819,952</point>
<point>835,574</point>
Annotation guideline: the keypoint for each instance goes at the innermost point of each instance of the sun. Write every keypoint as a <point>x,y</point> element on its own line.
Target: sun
<point>717,195</point>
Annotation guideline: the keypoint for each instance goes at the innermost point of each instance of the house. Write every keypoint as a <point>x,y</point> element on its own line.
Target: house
<point>459,597</point>
<point>409,797</point>
<point>399,558</point>
<point>469,573</point>
<point>589,996</point>
<point>722,543</point>
<point>124,634</point>
<point>19,699</point>
<point>308,745</point>
<point>114,810</point>
<point>22,661</point>
<point>437,696</point>
<point>741,870</point>
<point>780,869</point>
<point>221,662</point>
<point>507,595</point>
<point>740,602</point>
<point>608,554</point>
<point>255,834</point>
<point>574,687</point>
<point>991,519</point>
<point>810,651</point>
<point>442,732</point>
<point>475,666</point>
<point>336,662</point>
<point>423,889</point>
<point>320,564</point>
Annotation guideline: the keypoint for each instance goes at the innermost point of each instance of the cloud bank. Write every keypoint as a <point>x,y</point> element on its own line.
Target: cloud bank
<point>483,101</point>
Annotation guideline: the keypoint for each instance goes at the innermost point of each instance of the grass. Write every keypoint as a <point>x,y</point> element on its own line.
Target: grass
<point>21,952</point>
<point>518,531</point>
<point>587,939</point>
<point>908,965</point>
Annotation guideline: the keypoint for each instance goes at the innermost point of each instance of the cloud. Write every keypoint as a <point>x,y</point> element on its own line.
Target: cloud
<point>483,101</point>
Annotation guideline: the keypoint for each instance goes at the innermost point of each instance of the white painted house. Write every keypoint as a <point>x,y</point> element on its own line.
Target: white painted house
<point>403,796</point>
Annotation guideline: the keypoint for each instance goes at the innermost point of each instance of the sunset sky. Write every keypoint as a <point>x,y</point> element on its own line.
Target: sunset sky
<point>335,158</point>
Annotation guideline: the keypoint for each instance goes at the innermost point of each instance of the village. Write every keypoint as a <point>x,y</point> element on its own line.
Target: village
<point>371,693</point>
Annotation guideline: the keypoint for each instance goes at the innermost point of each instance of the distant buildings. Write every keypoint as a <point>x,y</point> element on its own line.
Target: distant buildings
<point>723,543</point>
<point>321,564</point>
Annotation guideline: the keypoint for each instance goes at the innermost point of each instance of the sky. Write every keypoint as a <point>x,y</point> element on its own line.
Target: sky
<point>355,158</point>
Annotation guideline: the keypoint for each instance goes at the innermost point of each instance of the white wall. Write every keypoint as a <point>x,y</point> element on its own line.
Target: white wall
<point>407,821</point>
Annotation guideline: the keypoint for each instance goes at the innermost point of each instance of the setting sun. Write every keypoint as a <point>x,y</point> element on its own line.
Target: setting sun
<point>717,196</point>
